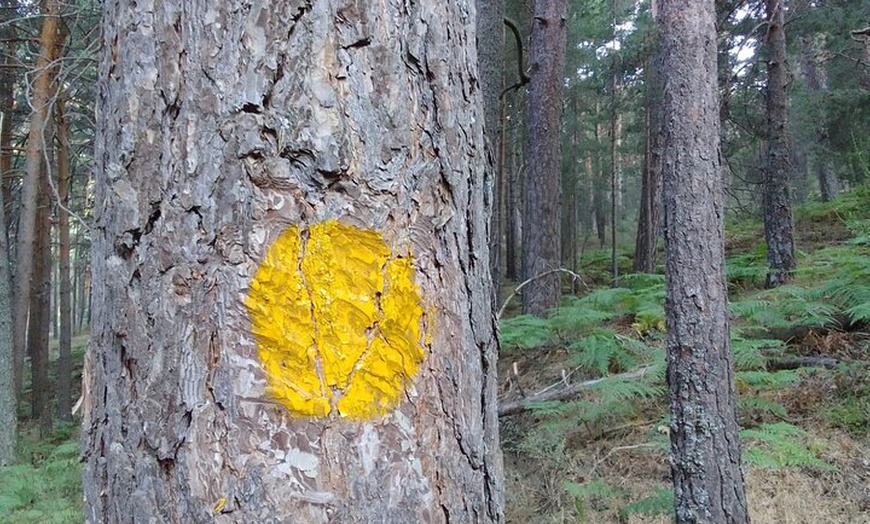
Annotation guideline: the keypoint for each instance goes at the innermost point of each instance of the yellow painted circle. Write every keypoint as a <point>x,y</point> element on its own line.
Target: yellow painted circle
<point>337,320</point>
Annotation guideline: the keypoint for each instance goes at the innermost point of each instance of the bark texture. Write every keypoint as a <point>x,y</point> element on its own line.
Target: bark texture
<point>542,215</point>
<point>705,449</point>
<point>778,220</point>
<point>221,124</point>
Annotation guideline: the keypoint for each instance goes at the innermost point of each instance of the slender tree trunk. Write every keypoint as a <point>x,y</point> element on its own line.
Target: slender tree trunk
<point>40,102</point>
<point>39,326</point>
<point>8,390</point>
<point>600,198</point>
<point>648,219</point>
<point>8,74</point>
<point>816,81</point>
<point>64,361</point>
<point>490,53</point>
<point>541,237</point>
<point>778,221</point>
<point>292,317</point>
<point>705,446</point>
<point>8,393</point>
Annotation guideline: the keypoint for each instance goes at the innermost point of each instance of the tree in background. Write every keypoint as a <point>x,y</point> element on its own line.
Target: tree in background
<point>705,447</point>
<point>292,296</point>
<point>541,215</point>
<point>776,205</point>
<point>8,392</point>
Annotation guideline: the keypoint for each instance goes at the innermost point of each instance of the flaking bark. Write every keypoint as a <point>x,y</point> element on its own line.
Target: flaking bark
<point>221,124</point>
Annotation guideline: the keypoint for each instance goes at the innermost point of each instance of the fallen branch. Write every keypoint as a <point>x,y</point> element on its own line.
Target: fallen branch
<point>518,406</point>
<point>801,362</point>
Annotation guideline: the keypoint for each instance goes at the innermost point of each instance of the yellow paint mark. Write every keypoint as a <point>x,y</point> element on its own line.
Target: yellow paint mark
<point>337,319</point>
<point>221,504</point>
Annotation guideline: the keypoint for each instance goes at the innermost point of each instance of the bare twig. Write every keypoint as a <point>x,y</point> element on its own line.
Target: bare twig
<point>519,288</point>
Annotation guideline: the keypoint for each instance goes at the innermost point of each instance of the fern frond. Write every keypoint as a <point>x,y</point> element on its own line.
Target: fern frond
<point>524,331</point>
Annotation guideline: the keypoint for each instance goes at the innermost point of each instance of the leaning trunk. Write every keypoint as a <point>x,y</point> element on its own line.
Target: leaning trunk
<point>292,316</point>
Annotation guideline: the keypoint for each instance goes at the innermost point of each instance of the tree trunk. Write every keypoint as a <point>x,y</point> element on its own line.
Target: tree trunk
<point>816,81</point>
<point>646,244</point>
<point>541,216</point>
<point>64,360</point>
<point>40,102</point>
<point>600,198</point>
<point>705,448</point>
<point>778,221</point>
<point>40,315</point>
<point>8,391</point>
<point>8,75</point>
<point>292,316</point>
<point>490,53</point>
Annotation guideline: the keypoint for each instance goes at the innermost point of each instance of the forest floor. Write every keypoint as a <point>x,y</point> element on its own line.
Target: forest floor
<point>602,457</point>
<point>806,431</point>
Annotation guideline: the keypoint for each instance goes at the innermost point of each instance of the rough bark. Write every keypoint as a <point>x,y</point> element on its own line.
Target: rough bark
<point>705,448</point>
<point>777,207</point>
<point>222,125</point>
<point>541,209</point>
<point>64,360</point>
<point>39,102</point>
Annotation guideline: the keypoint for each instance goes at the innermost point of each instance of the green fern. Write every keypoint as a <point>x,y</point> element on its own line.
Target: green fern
<point>605,351</point>
<point>661,502</point>
<point>750,354</point>
<point>760,406</point>
<point>766,379</point>
<point>780,445</point>
<point>524,332</point>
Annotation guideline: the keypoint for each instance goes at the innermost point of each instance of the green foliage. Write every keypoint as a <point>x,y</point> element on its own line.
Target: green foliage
<point>524,331</point>
<point>597,492</point>
<point>851,414</point>
<point>751,354</point>
<point>47,488</point>
<point>604,351</point>
<point>780,445</point>
<point>765,379</point>
<point>661,502</point>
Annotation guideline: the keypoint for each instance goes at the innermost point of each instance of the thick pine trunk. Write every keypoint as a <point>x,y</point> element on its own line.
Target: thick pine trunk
<point>705,447</point>
<point>230,127</point>
<point>541,215</point>
<point>778,220</point>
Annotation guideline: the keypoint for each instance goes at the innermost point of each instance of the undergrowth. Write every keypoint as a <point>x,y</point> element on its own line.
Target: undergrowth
<point>45,487</point>
<point>611,331</point>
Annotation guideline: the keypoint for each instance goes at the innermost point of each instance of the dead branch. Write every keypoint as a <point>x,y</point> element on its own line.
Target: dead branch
<point>518,406</point>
